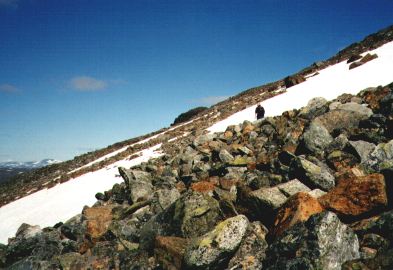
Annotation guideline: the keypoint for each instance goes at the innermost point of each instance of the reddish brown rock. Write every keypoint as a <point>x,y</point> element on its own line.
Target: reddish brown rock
<point>98,221</point>
<point>374,96</point>
<point>346,173</point>
<point>298,208</point>
<point>357,195</point>
<point>169,251</point>
<point>203,186</point>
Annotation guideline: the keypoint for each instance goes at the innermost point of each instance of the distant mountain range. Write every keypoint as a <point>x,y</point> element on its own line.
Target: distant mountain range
<point>11,168</point>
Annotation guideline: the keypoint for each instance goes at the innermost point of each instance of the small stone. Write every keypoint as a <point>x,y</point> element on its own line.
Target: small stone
<point>203,187</point>
<point>225,156</point>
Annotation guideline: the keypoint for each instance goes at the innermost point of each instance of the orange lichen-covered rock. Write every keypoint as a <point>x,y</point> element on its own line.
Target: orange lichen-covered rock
<point>357,195</point>
<point>98,221</point>
<point>298,208</point>
<point>203,186</point>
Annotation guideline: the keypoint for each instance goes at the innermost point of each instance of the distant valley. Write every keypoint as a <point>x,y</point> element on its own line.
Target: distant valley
<point>11,168</point>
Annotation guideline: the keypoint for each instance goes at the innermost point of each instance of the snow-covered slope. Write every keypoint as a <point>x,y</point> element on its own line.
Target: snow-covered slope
<point>49,206</point>
<point>329,83</point>
<point>61,202</point>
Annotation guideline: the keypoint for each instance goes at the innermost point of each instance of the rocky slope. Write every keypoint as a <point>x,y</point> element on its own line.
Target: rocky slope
<point>26,183</point>
<point>310,189</point>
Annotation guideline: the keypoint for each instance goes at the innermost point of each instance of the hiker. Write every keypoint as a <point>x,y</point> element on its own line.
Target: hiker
<point>259,112</point>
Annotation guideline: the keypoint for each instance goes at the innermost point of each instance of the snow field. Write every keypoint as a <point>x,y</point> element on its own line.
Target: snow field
<point>61,202</point>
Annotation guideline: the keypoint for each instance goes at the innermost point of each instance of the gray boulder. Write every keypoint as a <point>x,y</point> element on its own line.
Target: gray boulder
<point>252,250</point>
<point>380,158</point>
<point>292,187</point>
<point>322,242</point>
<point>138,183</point>
<point>192,215</point>
<point>356,107</point>
<point>268,198</point>
<point>31,241</point>
<point>316,138</point>
<point>315,107</point>
<point>213,250</point>
<point>311,174</point>
<point>343,118</point>
<point>363,149</point>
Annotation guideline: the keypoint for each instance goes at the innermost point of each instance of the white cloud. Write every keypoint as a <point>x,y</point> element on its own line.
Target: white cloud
<point>8,88</point>
<point>9,3</point>
<point>208,101</point>
<point>86,83</point>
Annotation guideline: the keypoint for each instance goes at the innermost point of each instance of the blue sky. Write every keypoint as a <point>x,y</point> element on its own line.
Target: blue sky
<point>79,75</point>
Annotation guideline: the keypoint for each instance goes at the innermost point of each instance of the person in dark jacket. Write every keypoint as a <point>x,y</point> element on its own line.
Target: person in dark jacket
<point>259,112</point>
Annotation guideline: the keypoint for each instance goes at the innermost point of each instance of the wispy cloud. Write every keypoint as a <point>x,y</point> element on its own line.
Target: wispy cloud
<point>8,88</point>
<point>86,83</point>
<point>211,100</point>
<point>9,3</point>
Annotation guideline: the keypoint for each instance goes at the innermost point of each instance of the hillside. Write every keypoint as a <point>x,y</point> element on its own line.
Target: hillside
<point>306,188</point>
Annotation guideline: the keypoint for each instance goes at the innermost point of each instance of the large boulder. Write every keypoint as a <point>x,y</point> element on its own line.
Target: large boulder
<point>139,184</point>
<point>314,108</point>
<point>316,137</point>
<point>322,242</point>
<point>382,261</point>
<point>98,221</point>
<point>344,118</point>
<point>265,200</point>
<point>363,149</point>
<point>31,242</point>
<point>252,251</point>
<point>357,196</point>
<point>192,215</point>
<point>380,158</point>
<point>213,250</point>
<point>314,175</point>
<point>293,187</point>
<point>298,208</point>
<point>381,224</point>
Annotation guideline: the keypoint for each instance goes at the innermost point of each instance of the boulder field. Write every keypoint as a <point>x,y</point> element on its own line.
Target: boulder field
<point>310,189</point>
